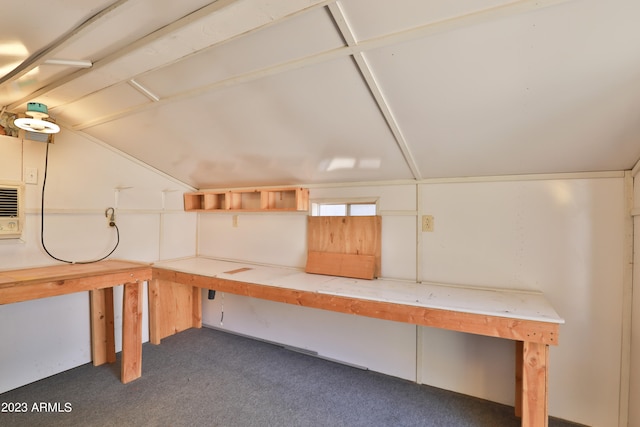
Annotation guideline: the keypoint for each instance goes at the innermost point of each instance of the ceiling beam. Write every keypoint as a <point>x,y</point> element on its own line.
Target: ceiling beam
<point>470,19</point>
<point>365,70</point>
<point>41,56</point>
<point>166,31</point>
<point>131,47</point>
<point>143,90</point>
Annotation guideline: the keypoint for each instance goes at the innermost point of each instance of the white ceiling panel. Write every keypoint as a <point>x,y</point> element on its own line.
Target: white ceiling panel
<point>214,23</point>
<point>368,21</point>
<point>98,41</point>
<point>99,104</point>
<point>21,32</point>
<point>316,124</point>
<point>19,88</point>
<point>476,102</point>
<point>70,37</point>
<point>302,36</point>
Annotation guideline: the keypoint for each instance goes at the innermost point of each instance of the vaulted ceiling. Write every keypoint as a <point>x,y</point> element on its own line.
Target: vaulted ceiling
<point>259,92</point>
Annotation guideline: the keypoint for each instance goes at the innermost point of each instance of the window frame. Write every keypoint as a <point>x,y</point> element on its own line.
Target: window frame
<point>314,205</point>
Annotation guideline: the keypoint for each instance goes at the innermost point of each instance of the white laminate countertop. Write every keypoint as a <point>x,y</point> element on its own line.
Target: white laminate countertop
<point>516,304</point>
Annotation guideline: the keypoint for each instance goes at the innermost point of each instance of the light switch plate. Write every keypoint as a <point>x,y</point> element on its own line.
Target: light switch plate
<point>31,176</point>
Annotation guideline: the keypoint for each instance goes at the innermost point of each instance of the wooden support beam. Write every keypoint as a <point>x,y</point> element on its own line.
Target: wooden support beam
<point>103,347</point>
<point>131,332</point>
<point>535,362</point>
<point>519,360</point>
<point>196,307</point>
<point>155,314</point>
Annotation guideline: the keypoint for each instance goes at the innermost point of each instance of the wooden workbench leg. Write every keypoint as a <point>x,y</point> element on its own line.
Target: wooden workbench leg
<point>103,346</point>
<point>196,307</point>
<point>519,360</point>
<point>131,332</point>
<point>154,312</point>
<point>535,374</point>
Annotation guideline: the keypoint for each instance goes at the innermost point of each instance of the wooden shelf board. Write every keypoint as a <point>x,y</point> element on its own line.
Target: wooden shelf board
<point>250,200</point>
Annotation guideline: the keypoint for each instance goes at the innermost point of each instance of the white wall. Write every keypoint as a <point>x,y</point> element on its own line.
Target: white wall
<point>564,237</point>
<point>41,338</point>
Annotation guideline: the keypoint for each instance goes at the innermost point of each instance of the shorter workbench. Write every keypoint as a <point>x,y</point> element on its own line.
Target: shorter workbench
<point>99,279</point>
<point>527,318</point>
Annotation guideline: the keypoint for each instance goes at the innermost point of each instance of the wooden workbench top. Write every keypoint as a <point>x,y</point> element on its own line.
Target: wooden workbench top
<point>52,280</point>
<point>514,304</point>
<point>65,271</point>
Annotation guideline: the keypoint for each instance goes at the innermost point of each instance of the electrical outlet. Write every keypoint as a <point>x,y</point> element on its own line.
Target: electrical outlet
<point>427,222</point>
<point>234,221</point>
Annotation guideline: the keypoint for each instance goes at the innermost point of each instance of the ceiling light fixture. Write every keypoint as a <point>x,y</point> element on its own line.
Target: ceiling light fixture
<point>36,123</point>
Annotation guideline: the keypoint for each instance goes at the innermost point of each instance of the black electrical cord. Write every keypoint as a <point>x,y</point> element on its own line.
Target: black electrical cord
<point>112,222</point>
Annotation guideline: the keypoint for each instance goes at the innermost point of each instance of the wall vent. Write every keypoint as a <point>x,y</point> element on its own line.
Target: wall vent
<point>11,210</point>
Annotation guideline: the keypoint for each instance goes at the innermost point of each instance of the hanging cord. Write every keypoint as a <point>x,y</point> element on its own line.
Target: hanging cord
<point>109,213</point>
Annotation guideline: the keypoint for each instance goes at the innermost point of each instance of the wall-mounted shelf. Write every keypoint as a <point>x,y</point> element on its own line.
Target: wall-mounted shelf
<point>252,200</point>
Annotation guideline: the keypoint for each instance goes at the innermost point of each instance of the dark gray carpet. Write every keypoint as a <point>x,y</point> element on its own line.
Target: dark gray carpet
<point>210,378</point>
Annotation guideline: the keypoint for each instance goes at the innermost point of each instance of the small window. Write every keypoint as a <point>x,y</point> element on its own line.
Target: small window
<point>343,208</point>
<point>362,209</point>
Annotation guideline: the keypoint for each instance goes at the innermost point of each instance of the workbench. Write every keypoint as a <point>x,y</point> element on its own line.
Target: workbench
<point>527,318</point>
<point>175,304</point>
<point>99,279</point>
